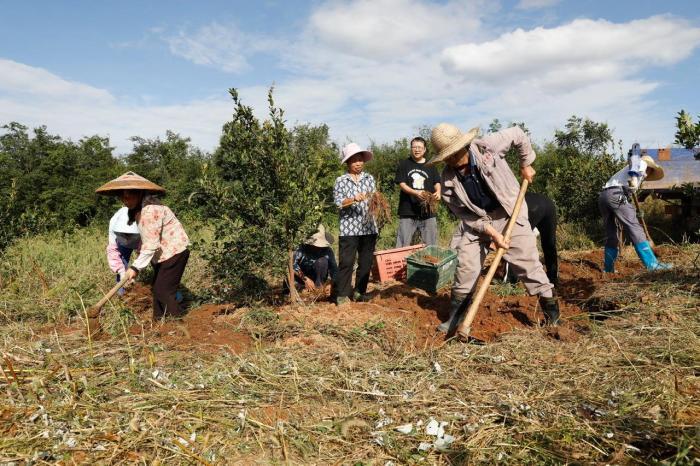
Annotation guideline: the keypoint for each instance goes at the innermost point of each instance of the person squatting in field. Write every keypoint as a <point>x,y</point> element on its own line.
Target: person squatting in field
<point>358,229</point>
<point>164,243</point>
<point>479,187</point>
<point>314,261</point>
<point>416,178</point>
<point>542,215</point>
<point>614,203</point>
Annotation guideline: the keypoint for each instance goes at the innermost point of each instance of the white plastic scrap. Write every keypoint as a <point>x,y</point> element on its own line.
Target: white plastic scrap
<point>436,367</point>
<point>378,438</point>
<point>424,446</point>
<point>405,428</point>
<point>435,428</point>
<point>443,444</point>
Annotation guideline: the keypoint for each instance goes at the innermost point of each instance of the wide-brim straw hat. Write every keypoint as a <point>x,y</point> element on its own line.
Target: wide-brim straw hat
<point>654,170</point>
<point>352,149</point>
<point>320,239</point>
<point>448,139</point>
<point>129,180</point>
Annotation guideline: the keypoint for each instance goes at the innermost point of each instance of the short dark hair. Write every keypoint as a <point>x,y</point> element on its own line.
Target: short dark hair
<point>418,138</point>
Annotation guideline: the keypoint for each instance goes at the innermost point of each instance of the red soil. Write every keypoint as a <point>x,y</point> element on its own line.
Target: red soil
<point>403,310</point>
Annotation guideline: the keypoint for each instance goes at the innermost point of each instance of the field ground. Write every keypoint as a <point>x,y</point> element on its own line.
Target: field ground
<point>368,383</point>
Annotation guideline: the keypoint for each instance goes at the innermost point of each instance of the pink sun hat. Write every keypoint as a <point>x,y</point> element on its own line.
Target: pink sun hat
<point>352,149</point>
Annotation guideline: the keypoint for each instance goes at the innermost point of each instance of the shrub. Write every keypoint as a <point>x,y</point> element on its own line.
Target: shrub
<point>265,193</point>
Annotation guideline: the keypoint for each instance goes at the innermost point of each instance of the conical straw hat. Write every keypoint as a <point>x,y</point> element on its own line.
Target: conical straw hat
<point>128,180</point>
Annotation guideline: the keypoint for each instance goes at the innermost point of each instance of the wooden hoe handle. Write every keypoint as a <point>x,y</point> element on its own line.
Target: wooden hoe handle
<point>94,311</point>
<point>465,327</point>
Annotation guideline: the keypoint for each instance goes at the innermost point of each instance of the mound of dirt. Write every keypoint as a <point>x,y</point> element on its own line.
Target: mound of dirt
<point>401,308</point>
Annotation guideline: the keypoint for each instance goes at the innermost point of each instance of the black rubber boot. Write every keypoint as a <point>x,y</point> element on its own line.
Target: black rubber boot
<point>458,305</point>
<point>550,309</point>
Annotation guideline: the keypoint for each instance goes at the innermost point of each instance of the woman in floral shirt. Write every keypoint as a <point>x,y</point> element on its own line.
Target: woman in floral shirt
<point>358,229</point>
<point>163,240</point>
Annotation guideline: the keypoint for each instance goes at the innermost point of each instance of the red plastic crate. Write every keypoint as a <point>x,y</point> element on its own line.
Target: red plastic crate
<point>390,264</point>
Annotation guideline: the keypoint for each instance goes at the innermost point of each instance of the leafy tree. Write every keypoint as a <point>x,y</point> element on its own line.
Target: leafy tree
<point>49,182</point>
<point>585,137</point>
<point>266,192</point>
<point>573,169</point>
<point>688,134</point>
<point>172,163</point>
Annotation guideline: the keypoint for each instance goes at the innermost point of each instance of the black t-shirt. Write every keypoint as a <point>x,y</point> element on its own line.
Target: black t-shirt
<point>417,176</point>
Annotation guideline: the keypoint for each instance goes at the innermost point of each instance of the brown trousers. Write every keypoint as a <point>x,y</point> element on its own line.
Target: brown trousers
<point>166,279</point>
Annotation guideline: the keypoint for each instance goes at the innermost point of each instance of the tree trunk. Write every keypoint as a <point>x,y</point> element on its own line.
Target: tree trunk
<point>293,294</point>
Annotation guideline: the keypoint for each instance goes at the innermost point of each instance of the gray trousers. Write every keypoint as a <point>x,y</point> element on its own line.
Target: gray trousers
<point>523,256</point>
<point>408,226</point>
<point>613,205</point>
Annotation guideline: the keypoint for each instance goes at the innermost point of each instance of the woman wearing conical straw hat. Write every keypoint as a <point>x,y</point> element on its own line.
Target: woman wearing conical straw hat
<point>164,242</point>
<point>481,190</point>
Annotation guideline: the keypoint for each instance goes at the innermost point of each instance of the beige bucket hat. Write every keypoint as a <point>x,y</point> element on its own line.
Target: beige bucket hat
<point>448,139</point>
<point>128,180</point>
<point>654,170</point>
<point>320,239</point>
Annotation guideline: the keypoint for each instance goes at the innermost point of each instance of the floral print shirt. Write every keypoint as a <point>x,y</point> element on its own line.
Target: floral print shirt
<point>355,220</point>
<point>162,236</point>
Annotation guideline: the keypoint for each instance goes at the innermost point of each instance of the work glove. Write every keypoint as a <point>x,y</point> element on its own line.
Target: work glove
<point>633,183</point>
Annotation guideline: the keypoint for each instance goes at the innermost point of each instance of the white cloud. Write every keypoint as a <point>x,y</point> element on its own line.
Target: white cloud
<point>34,96</point>
<point>533,4</point>
<point>600,49</point>
<point>390,29</point>
<point>23,79</point>
<point>225,47</point>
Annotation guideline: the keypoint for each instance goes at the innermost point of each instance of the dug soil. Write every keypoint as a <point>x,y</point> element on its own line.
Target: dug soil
<point>395,306</point>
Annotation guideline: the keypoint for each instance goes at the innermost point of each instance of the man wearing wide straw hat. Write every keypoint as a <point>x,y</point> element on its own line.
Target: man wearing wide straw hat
<point>614,203</point>
<point>480,189</point>
<point>163,240</point>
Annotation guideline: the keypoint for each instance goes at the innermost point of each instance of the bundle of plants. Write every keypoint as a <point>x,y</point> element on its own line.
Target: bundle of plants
<point>428,203</point>
<point>379,209</point>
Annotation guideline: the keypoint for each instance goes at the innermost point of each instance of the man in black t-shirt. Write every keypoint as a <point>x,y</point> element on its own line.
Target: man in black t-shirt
<point>415,178</point>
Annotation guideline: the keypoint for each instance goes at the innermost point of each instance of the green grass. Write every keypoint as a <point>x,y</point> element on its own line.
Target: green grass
<point>56,275</point>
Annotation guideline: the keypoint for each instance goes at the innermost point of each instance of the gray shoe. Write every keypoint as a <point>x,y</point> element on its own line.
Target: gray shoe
<point>360,297</point>
<point>340,300</point>
<point>458,304</point>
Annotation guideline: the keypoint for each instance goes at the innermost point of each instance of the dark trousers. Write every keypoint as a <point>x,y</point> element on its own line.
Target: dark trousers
<point>348,248</point>
<point>542,214</point>
<point>166,278</point>
<point>318,272</point>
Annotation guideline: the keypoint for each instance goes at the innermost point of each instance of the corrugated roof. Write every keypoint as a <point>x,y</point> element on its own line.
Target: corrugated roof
<point>681,169</point>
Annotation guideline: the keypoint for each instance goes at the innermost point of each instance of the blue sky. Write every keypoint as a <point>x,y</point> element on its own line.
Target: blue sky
<point>371,70</point>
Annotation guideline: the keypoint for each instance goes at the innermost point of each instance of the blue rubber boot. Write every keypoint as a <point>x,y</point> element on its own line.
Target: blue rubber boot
<point>609,259</point>
<point>648,258</point>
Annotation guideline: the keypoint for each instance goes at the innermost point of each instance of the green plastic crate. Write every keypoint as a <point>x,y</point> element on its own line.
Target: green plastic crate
<point>430,276</point>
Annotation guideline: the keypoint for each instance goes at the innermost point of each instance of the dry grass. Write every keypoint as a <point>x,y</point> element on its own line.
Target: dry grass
<point>626,393</point>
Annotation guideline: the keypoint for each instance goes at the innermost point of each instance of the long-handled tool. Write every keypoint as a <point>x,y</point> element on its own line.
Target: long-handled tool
<point>93,314</point>
<point>465,327</point>
<point>640,214</point>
